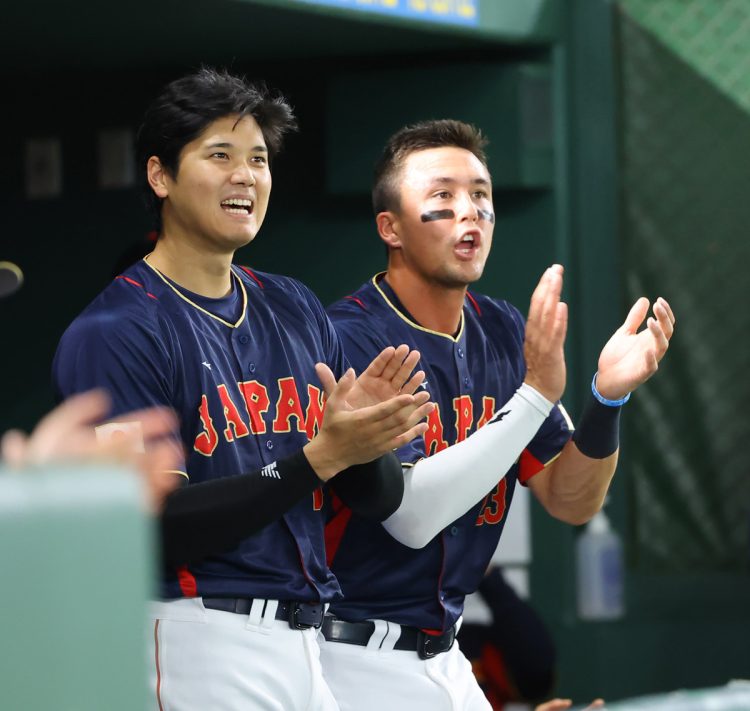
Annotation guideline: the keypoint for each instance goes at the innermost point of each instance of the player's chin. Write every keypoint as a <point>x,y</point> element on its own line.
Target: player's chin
<point>243,237</point>
<point>469,273</point>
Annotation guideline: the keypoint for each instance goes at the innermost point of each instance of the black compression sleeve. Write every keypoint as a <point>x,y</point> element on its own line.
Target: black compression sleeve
<point>373,490</point>
<point>213,517</point>
<point>597,434</point>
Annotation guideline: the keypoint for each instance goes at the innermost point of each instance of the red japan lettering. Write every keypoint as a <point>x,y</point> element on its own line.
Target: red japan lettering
<point>288,406</point>
<point>235,426</point>
<point>493,507</point>
<point>205,443</point>
<point>434,441</point>
<point>488,410</point>
<point>314,412</point>
<point>257,402</point>
<point>464,409</point>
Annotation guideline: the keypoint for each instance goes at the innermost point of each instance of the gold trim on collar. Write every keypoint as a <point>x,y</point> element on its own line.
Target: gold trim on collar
<point>200,308</point>
<point>412,323</point>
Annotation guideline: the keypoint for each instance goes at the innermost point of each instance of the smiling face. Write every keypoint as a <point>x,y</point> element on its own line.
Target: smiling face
<point>441,231</point>
<point>218,199</point>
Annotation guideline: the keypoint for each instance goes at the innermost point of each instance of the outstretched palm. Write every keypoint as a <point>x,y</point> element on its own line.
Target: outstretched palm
<point>387,376</point>
<point>631,357</point>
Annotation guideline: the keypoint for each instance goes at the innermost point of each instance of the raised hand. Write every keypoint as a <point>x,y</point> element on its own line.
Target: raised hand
<point>350,435</point>
<point>631,357</point>
<point>546,326</point>
<point>389,374</point>
<point>68,433</point>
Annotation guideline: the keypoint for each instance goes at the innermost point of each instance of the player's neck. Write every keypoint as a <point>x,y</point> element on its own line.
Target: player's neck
<point>204,274</point>
<point>434,306</point>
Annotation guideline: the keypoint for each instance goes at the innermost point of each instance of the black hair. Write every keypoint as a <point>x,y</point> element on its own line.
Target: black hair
<point>419,137</point>
<point>188,105</point>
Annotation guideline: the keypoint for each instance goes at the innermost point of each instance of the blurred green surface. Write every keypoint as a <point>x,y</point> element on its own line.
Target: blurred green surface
<point>76,564</point>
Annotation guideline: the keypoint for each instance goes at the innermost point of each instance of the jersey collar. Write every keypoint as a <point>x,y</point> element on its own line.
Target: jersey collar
<point>237,280</point>
<point>390,298</point>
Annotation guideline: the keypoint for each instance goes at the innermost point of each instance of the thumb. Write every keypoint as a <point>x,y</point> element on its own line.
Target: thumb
<point>335,391</point>
<point>326,377</point>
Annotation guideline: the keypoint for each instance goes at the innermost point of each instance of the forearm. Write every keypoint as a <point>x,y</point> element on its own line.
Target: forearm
<point>373,490</point>
<point>443,487</point>
<point>573,487</point>
<point>576,485</point>
<point>205,519</point>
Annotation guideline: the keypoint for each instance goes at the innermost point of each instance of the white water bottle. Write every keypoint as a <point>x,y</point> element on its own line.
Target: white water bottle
<point>599,567</point>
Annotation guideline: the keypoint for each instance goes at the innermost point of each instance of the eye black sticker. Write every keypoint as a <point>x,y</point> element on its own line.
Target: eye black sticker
<point>438,215</point>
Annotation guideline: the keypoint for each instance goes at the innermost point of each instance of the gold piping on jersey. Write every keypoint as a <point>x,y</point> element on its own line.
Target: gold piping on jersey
<point>200,308</point>
<point>410,322</point>
<point>176,471</point>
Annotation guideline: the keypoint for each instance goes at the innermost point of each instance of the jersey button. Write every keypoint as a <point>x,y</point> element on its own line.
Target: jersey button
<point>460,352</point>
<point>454,530</point>
<point>269,444</point>
<point>466,381</point>
<point>251,367</point>
<point>244,338</point>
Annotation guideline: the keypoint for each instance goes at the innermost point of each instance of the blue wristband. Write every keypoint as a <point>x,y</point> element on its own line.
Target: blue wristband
<point>603,400</point>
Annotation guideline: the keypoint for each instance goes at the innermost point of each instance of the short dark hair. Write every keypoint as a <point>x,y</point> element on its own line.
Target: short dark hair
<point>419,137</point>
<point>188,105</point>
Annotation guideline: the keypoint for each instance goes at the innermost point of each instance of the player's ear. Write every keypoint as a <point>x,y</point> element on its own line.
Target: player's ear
<point>388,228</point>
<point>157,177</point>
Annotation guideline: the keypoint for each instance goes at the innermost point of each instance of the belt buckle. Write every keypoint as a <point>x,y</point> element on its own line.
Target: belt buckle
<point>303,616</point>
<point>429,646</point>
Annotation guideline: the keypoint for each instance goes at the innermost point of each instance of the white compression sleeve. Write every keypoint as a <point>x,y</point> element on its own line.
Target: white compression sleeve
<point>443,487</point>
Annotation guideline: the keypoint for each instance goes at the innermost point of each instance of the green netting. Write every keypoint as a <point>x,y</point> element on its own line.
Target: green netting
<point>712,36</point>
<point>685,220</point>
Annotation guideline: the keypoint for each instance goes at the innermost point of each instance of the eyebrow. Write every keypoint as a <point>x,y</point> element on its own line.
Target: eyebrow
<point>226,144</point>
<point>451,181</point>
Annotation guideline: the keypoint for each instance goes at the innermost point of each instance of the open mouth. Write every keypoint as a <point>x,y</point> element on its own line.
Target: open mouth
<point>237,206</point>
<point>468,244</point>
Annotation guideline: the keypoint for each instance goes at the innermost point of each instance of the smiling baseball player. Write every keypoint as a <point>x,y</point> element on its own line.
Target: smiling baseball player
<point>241,356</point>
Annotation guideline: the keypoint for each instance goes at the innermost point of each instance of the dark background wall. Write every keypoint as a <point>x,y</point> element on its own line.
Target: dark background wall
<point>552,89</point>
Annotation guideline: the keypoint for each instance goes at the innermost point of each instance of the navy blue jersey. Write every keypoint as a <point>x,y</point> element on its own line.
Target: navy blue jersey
<point>245,389</point>
<point>468,376</point>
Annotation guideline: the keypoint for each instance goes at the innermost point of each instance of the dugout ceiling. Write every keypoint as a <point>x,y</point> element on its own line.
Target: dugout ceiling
<point>164,33</point>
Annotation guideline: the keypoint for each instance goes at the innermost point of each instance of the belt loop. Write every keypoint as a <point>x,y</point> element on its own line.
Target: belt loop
<point>255,618</point>
<point>269,614</point>
<point>378,634</point>
<point>391,637</point>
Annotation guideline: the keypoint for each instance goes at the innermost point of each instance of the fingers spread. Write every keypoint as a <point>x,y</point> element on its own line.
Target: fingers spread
<point>403,373</point>
<point>636,315</point>
<point>412,385</point>
<point>393,366</point>
<point>379,363</point>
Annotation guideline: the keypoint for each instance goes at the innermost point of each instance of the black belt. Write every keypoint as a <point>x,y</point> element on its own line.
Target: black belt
<point>299,615</point>
<point>411,639</point>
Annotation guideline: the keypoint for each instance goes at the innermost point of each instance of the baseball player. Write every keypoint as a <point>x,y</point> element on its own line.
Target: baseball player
<point>496,382</point>
<point>234,352</point>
